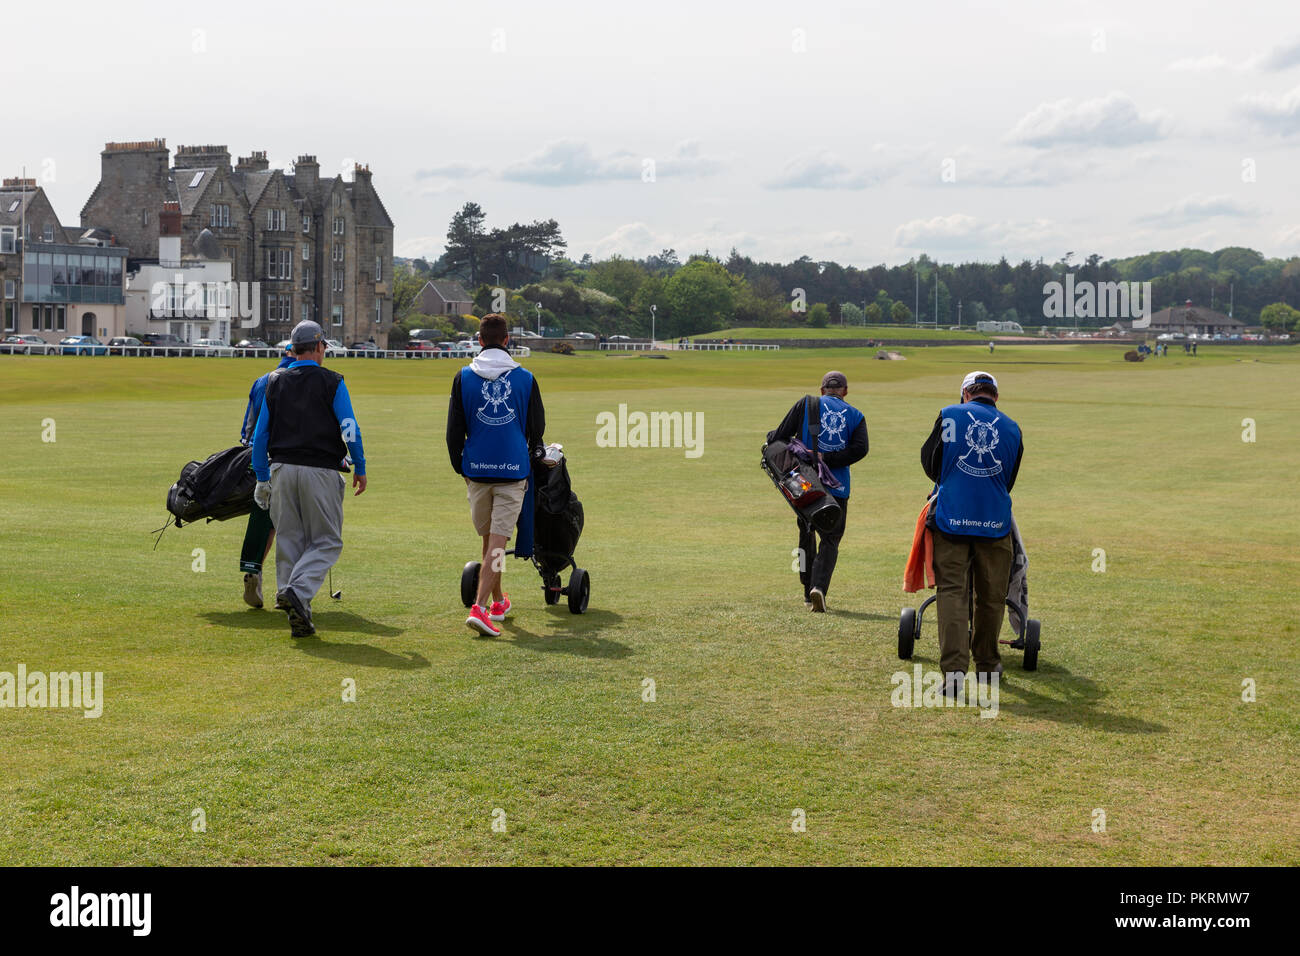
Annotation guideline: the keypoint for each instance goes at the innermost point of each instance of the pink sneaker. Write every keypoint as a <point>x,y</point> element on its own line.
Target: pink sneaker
<point>478,621</point>
<point>500,608</point>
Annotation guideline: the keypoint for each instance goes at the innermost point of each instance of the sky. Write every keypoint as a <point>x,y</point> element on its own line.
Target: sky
<point>858,132</point>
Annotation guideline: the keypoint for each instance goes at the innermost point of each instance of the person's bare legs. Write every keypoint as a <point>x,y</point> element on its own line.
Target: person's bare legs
<point>489,575</point>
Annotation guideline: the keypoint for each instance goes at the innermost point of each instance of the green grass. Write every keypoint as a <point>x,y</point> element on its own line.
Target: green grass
<point>761,707</point>
<point>883,333</point>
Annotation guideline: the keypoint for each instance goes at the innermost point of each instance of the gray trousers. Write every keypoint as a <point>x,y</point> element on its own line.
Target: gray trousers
<point>307,511</point>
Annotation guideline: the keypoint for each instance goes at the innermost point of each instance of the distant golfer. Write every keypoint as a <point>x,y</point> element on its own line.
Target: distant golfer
<point>306,426</point>
<point>495,422</point>
<point>972,455</point>
<point>842,442</point>
<point>260,532</point>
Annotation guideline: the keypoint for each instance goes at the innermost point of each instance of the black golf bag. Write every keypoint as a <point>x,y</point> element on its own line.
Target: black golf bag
<point>217,489</point>
<point>558,518</point>
<point>797,480</point>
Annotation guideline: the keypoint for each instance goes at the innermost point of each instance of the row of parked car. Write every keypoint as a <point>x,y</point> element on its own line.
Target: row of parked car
<point>173,345</point>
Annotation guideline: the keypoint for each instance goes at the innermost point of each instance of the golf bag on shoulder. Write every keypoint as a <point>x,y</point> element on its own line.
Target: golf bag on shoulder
<point>218,488</point>
<point>798,480</point>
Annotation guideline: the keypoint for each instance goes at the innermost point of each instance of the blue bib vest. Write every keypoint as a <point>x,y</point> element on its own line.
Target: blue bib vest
<point>496,416</point>
<point>839,421</point>
<point>980,449</point>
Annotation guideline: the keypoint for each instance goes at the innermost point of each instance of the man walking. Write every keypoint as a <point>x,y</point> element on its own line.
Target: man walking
<point>841,442</point>
<point>305,422</point>
<point>973,455</point>
<point>495,423</point>
<point>260,532</point>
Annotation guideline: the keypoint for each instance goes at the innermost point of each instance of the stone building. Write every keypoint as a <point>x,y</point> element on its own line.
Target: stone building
<point>319,248</point>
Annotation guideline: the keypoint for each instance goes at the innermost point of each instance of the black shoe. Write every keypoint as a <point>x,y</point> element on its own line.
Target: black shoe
<point>299,617</point>
<point>281,602</point>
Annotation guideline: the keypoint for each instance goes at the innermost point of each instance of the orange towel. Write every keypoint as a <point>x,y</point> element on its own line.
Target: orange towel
<point>919,573</point>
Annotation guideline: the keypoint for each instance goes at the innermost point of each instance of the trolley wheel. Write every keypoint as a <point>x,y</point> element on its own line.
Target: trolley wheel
<point>906,633</point>
<point>551,589</point>
<point>469,583</point>
<point>579,590</point>
<point>1032,644</point>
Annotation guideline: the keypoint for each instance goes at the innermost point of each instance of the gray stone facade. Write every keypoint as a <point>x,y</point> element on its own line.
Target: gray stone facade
<point>320,248</point>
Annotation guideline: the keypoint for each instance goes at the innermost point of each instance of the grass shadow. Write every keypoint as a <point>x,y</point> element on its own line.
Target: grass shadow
<point>362,655</point>
<point>579,635</point>
<point>270,619</point>
<point>862,615</point>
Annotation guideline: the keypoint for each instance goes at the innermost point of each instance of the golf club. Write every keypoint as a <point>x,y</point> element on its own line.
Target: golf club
<point>336,595</point>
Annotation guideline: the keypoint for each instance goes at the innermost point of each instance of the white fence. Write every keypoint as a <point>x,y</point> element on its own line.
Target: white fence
<point>190,351</point>
<point>687,347</point>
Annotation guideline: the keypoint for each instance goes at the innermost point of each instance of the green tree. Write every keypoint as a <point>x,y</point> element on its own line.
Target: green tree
<point>619,277</point>
<point>873,315</point>
<point>819,315</point>
<point>466,240</point>
<point>853,315</point>
<point>1279,317</point>
<point>900,313</point>
<point>700,297</point>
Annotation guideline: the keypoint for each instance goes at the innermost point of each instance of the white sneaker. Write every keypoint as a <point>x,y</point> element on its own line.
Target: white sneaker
<point>818,600</point>
<point>253,590</point>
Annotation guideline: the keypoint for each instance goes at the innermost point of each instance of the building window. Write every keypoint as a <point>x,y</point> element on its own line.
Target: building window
<point>11,288</point>
<point>8,239</point>
<point>379,268</point>
<point>305,312</point>
<point>338,225</point>
<point>11,317</point>
<point>219,215</point>
<point>338,200</point>
<point>306,252</point>
<point>49,233</point>
<point>27,232</point>
<point>276,220</point>
<point>221,186</point>
<point>336,253</point>
<point>306,278</point>
<point>306,222</point>
<point>61,318</point>
<point>286,263</point>
<point>230,253</point>
<point>144,217</point>
<point>336,315</point>
<point>379,310</point>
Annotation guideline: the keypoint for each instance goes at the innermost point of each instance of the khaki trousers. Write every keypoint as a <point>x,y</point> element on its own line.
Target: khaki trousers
<point>971,577</point>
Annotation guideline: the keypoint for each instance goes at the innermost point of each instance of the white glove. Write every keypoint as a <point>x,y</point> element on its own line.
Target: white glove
<point>262,495</point>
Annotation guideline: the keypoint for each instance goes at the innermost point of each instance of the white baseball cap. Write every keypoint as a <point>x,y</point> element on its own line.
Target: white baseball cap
<point>974,377</point>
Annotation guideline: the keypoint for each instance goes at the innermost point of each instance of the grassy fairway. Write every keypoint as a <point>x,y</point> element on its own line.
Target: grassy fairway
<point>882,333</point>
<point>761,707</point>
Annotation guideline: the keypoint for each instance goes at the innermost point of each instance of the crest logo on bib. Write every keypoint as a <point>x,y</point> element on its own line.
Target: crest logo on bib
<point>496,398</point>
<point>833,426</point>
<point>981,439</point>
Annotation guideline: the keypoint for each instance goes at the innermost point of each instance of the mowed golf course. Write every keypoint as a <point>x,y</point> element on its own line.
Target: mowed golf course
<point>213,715</point>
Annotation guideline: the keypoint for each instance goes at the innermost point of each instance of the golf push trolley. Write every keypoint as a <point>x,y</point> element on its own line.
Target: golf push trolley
<point>551,567</point>
<point>1027,638</point>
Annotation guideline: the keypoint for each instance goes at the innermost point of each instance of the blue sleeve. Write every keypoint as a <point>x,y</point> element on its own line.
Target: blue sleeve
<point>343,412</point>
<point>250,414</point>
<point>261,466</point>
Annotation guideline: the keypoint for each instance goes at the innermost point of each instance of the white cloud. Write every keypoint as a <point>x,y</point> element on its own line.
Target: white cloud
<point>451,171</point>
<point>1111,120</point>
<point>962,233</point>
<point>1193,209</point>
<point>635,240</point>
<point>1197,64</point>
<point>826,170</point>
<point>1281,57</point>
<point>571,162</point>
<point>1276,113</point>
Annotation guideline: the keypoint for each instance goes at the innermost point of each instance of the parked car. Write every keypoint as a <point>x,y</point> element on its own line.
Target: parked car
<point>524,334</point>
<point>123,345</point>
<point>426,334</point>
<point>82,345</point>
<point>254,348</point>
<point>24,345</point>
<point>421,348</point>
<point>210,345</point>
<point>446,346</point>
<point>281,346</point>
<point>620,338</point>
<point>584,335</point>
<point>174,345</point>
<point>470,346</point>
<point>365,349</point>
<point>334,349</point>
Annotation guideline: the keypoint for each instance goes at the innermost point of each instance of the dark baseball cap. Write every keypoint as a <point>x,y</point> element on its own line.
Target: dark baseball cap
<point>834,380</point>
<point>306,333</point>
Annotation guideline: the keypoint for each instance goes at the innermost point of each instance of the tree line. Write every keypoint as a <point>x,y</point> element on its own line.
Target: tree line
<point>705,293</point>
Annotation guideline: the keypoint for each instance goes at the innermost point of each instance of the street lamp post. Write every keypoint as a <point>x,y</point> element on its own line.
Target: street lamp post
<point>652,325</point>
<point>539,318</point>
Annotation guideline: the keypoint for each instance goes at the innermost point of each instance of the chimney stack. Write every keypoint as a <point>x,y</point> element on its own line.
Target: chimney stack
<point>169,233</point>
